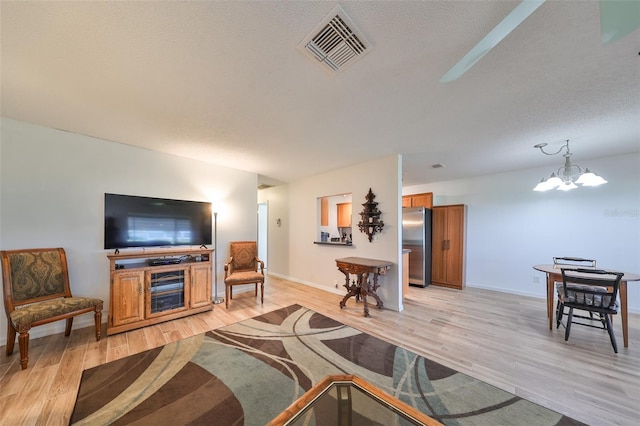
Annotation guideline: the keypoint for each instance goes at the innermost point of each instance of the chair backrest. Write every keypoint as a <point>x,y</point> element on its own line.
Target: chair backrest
<point>574,261</point>
<point>595,288</point>
<point>244,255</point>
<point>33,275</point>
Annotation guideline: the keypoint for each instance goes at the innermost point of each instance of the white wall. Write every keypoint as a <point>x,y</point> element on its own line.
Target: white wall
<point>52,186</point>
<point>510,227</point>
<point>314,264</point>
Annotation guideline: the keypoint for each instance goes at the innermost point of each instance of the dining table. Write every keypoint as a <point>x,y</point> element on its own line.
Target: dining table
<point>554,274</point>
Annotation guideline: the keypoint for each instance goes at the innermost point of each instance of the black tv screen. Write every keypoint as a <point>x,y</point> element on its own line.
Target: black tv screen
<point>132,221</point>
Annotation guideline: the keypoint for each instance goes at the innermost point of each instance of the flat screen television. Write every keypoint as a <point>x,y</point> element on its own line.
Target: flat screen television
<point>133,221</point>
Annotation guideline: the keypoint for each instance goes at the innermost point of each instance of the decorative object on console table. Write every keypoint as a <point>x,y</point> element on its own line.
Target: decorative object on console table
<point>370,223</point>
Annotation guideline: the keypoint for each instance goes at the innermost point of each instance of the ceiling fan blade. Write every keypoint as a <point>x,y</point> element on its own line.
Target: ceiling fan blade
<point>618,18</point>
<point>495,36</point>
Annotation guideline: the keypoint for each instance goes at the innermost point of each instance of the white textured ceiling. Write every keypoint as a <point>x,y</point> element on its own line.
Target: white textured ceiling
<point>224,82</point>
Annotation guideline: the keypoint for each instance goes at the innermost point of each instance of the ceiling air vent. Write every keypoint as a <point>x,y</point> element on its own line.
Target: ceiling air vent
<point>335,42</point>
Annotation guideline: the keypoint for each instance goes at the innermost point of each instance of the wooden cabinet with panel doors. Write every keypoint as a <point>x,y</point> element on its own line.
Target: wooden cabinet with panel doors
<point>418,200</point>
<point>448,246</point>
<point>344,215</point>
<point>324,211</point>
<point>200,285</point>
<point>127,288</point>
<point>152,287</point>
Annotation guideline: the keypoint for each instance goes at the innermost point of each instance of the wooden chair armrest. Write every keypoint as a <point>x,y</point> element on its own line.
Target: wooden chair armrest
<point>228,267</point>
<point>261,263</point>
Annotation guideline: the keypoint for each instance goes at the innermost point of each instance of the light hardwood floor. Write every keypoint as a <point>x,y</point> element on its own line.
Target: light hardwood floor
<point>496,337</point>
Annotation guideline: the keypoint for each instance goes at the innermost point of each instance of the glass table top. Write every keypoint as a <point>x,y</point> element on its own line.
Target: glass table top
<point>348,400</point>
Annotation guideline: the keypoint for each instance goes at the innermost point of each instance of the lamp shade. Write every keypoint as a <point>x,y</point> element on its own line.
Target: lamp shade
<point>588,178</point>
<point>542,186</point>
<point>554,181</point>
<point>567,186</point>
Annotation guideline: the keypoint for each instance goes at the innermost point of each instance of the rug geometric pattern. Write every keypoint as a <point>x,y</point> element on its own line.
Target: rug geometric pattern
<point>247,373</point>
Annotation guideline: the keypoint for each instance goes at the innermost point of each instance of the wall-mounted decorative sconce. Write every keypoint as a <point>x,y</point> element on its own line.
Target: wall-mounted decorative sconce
<point>370,223</point>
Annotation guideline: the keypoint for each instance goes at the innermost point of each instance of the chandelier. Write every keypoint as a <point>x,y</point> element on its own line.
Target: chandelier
<point>567,176</point>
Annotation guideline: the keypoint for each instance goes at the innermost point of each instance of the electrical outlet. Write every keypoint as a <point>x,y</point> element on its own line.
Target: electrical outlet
<point>536,279</point>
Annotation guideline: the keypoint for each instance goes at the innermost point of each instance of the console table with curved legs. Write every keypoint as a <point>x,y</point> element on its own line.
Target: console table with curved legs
<point>362,286</point>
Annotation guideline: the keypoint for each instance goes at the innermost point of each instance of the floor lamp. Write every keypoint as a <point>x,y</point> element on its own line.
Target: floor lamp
<point>216,300</point>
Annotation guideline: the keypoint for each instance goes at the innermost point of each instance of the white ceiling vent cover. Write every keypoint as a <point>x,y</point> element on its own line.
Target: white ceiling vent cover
<point>335,42</point>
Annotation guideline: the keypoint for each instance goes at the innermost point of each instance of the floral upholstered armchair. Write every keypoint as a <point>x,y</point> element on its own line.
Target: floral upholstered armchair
<point>243,267</point>
<point>36,292</point>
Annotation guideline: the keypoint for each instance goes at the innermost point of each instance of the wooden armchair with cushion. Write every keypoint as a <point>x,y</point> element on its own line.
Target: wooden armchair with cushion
<point>242,268</point>
<point>36,292</point>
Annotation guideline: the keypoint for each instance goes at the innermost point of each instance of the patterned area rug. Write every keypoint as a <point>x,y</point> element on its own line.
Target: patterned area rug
<point>248,372</point>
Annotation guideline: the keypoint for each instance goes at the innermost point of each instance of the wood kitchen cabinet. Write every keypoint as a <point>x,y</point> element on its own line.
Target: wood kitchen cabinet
<point>324,211</point>
<point>418,200</point>
<point>344,215</point>
<point>152,287</point>
<point>448,246</point>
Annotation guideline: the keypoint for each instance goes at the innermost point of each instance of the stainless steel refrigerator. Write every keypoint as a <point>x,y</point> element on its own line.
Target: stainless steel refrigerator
<point>416,236</point>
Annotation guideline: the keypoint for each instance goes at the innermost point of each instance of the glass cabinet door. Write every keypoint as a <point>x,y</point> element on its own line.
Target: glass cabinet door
<point>166,291</point>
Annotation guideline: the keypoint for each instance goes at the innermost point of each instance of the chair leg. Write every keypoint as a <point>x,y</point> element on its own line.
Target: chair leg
<point>603,320</point>
<point>262,293</point>
<point>226,296</point>
<point>568,328</point>
<point>23,342</point>
<point>611,335</point>
<point>98,321</point>
<point>255,291</point>
<point>11,338</point>
<point>67,329</point>
<point>559,313</point>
